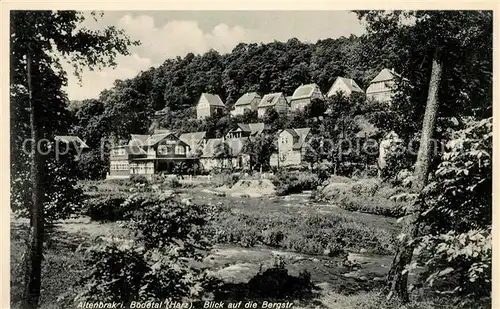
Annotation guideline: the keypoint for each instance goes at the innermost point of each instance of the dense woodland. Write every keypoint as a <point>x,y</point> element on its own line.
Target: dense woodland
<point>175,86</point>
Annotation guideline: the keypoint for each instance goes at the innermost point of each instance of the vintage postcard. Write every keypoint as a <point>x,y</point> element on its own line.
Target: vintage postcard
<point>249,156</point>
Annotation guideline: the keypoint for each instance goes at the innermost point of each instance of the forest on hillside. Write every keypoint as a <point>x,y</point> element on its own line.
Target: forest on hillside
<point>274,67</point>
<point>175,86</point>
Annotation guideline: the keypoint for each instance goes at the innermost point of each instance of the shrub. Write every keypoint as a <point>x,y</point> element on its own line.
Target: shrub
<point>365,195</point>
<point>138,179</point>
<point>158,264</point>
<point>288,182</point>
<point>105,207</point>
<point>458,213</point>
<point>313,234</point>
<point>112,206</point>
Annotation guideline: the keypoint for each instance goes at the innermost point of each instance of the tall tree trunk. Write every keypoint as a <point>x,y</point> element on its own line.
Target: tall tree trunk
<point>398,278</point>
<point>33,255</point>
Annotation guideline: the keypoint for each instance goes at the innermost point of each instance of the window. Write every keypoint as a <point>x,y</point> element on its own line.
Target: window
<point>165,149</point>
<point>180,150</point>
<point>118,152</point>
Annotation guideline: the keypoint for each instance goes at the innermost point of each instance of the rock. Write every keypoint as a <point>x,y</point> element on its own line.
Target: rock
<point>363,250</point>
<point>327,252</point>
<point>315,260</point>
<point>378,279</point>
<point>155,187</point>
<point>167,193</point>
<point>186,201</point>
<point>220,194</point>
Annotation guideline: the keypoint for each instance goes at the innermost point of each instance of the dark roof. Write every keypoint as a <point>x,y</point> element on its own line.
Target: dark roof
<point>247,98</point>
<point>253,128</point>
<point>70,139</point>
<point>270,99</point>
<point>213,99</point>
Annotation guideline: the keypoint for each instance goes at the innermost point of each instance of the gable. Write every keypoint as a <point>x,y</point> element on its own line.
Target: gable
<point>270,99</point>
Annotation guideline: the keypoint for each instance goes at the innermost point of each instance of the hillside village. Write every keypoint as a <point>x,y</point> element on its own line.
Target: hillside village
<point>160,151</point>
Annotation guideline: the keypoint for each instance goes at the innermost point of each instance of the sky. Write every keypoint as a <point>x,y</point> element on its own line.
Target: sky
<point>168,34</point>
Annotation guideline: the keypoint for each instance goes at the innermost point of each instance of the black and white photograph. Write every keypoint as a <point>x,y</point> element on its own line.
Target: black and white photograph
<point>244,159</point>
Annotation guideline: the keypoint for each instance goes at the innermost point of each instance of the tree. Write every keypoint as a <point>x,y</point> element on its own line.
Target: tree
<point>37,78</point>
<point>259,148</point>
<point>436,41</point>
<point>223,153</point>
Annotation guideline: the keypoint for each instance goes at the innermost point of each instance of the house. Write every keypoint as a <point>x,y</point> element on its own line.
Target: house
<point>195,140</point>
<point>209,105</point>
<point>246,130</point>
<point>120,158</point>
<point>291,147</point>
<point>381,88</point>
<point>304,95</point>
<point>272,100</point>
<point>148,155</point>
<point>211,157</point>
<point>71,140</point>
<point>347,86</point>
<point>65,144</point>
<point>249,100</point>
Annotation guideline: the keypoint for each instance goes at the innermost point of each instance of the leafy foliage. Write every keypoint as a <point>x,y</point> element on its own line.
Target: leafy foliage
<point>158,264</point>
<point>458,215</point>
<point>260,148</point>
<point>288,182</point>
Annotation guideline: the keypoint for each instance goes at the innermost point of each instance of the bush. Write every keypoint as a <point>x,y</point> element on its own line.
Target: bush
<point>458,214</point>
<point>366,195</point>
<point>288,182</point>
<point>138,179</point>
<point>112,206</point>
<point>314,234</point>
<point>158,264</point>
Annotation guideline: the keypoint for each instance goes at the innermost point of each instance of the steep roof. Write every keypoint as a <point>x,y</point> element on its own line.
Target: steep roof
<point>383,75</point>
<point>253,128</point>
<point>270,99</point>
<point>150,140</point>
<point>138,139</point>
<point>247,98</point>
<point>350,83</point>
<point>192,139</point>
<point>300,134</point>
<point>236,145</point>
<point>304,91</point>
<point>131,149</point>
<point>213,99</point>
<point>70,139</point>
